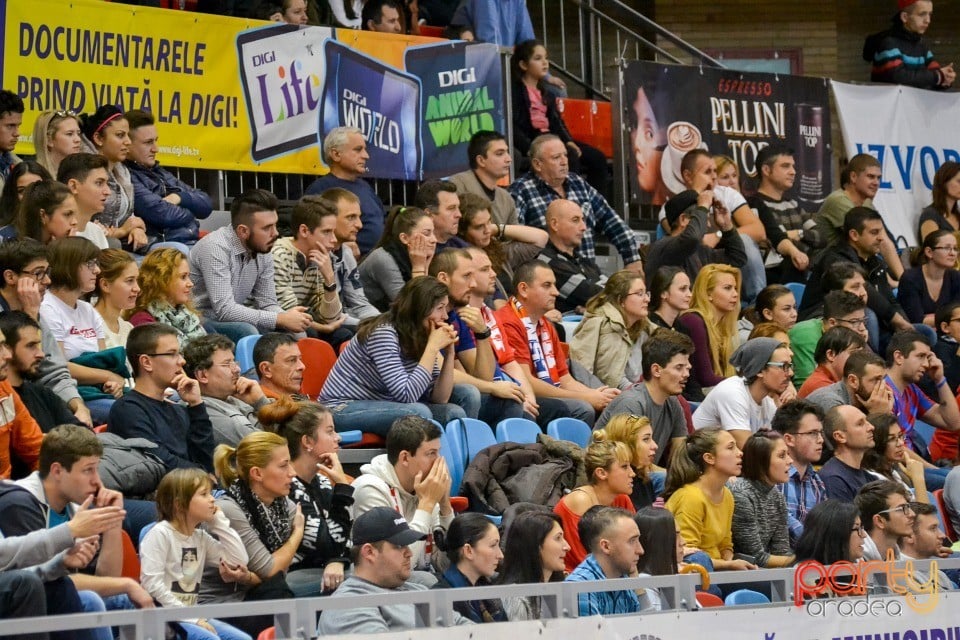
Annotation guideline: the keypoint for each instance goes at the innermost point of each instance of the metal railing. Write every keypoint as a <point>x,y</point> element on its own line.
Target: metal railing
<point>296,618</point>
<point>586,38</point>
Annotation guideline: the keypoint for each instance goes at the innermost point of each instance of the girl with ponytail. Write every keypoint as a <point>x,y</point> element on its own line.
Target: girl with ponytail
<point>699,499</point>
<point>257,476</point>
<point>320,488</point>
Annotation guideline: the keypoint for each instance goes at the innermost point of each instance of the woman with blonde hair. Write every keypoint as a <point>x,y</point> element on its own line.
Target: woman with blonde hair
<point>117,291</point>
<point>636,433</point>
<point>607,341</point>
<point>711,322</point>
<point>165,287</point>
<point>56,135</point>
<point>609,483</point>
<point>257,475</point>
<point>699,499</point>
<point>321,489</point>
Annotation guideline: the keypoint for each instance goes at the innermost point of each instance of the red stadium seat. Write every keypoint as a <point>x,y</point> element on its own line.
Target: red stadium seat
<point>589,121</point>
<point>431,32</point>
<point>131,561</point>
<point>318,357</point>
<point>945,516</point>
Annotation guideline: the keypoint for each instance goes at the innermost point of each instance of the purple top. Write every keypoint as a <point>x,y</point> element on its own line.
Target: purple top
<point>702,370</point>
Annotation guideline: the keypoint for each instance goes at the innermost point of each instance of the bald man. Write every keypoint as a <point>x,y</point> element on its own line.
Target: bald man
<point>851,435</point>
<point>578,278</point>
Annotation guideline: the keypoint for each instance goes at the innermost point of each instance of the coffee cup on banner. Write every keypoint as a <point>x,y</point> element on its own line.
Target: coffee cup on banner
<point>682,138</point>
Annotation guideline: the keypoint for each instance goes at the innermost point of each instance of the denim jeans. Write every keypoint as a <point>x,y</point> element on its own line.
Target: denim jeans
<point>493,410</point>
<point>92,602</point>
<point>100,410</point>
<point>375,416</point>
<point>233,330</point>
<point>306,583</point>
<point>753,272</point>
<point>223,630</point>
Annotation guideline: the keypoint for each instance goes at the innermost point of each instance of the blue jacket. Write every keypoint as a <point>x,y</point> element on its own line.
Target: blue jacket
<point>601,603</point>
<point>167,222</point>
<point>503,22</point>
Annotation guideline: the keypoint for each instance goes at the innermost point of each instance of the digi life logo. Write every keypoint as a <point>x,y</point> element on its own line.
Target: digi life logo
<point>286,90</point>
<point>281,71</point>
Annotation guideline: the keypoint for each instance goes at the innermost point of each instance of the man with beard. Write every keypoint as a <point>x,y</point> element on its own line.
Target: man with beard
<point>232,273</point>
<point>783,219</point>
<point>666,369</point>
<point>20,436</point>
<point>22,334</point>
<point>499,398</point>
<point>232,400</point>
<point>861,386</point>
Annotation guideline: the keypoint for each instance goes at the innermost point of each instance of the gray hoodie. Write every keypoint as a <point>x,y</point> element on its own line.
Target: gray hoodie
<point>396,617</point>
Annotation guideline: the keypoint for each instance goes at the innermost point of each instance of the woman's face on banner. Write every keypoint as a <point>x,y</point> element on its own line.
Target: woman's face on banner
<point>648,140</point>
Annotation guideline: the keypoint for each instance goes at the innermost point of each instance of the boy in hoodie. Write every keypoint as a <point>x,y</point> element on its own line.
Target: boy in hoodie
<point>413,480</point>
<point>381,556</point>
<point>900,56</point>
<point>304,273</point>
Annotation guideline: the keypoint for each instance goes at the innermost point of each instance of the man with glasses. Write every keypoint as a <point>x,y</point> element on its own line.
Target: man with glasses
<point>840,309</point>
<point>851,435</point>
<point>26,275</point>
<point>909,359</point>
<point>578,278</point>
<point>183,435</point>
<point>801,424</point>
<point>232,401</point>
<point>747,403</point>
<point>887,516</point>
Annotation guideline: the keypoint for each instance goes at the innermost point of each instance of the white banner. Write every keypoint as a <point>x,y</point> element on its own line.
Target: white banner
<point>911,132</point>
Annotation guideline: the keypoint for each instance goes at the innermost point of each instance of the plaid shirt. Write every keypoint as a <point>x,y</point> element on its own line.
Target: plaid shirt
<point>801,494</point>
<point>232,285</point>
<point>532,196</point>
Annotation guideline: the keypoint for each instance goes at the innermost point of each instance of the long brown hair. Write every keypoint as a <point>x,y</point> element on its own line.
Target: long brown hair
<point>413,304</point>
<point>615,291</point>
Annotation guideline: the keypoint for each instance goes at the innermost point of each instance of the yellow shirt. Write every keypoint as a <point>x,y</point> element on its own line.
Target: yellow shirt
<point>703,524</point>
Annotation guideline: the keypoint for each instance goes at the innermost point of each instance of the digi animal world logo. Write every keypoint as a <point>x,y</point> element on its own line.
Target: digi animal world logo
<point>812,580</point>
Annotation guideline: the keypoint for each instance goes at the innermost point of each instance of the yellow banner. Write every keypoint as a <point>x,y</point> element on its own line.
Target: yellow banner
<point>182,67</point>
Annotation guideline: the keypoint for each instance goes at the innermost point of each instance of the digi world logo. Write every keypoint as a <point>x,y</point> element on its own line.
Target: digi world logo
<point>812,580</point>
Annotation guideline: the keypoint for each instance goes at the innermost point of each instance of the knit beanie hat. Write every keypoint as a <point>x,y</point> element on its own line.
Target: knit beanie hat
<point>753,355</point>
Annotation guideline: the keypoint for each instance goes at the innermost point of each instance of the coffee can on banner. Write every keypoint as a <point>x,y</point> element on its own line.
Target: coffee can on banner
<point>810,147</point>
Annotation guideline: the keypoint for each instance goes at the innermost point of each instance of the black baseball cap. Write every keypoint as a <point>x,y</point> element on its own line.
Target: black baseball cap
<point>680,203</point>
<point>383,523</point>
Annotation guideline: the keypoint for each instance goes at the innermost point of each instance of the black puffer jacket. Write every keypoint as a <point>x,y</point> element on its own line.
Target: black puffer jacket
<point>899,56</point>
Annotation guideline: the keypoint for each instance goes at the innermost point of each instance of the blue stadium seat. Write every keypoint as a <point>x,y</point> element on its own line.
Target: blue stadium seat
<point>451,452</point>
<point>797,289</point>
<point>244,354</point>
<point>746,596</point>
<point>518,430</point>
<point>925,430</point>
<point>471,436</point>
<point>570,429</point>
<point>350,437</point>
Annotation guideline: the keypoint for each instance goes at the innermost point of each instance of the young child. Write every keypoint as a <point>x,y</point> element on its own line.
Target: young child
<point>174,552</point>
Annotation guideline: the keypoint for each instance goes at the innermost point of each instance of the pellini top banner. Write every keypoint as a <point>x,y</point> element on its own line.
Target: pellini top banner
<point>671,110</point>
<point>239,94</point>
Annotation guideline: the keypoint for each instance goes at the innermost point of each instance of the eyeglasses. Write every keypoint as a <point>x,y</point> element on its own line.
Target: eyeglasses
<point>38,274</point>
<point>904,509</point>
<point>954,319</point>
<point>168,354</point>
<point>858,322</point>
<point>786,366</point>
<point>897,438</point>
<point>859,529</point>
<point>229,364</point>
<point>642,294</point>
<point>92,265</point>
<point>947,249</point>
<point>816,435</point>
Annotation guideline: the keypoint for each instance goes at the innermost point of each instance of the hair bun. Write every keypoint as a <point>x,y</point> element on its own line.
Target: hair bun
<point>599,435</point>
<point>274,414</point>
